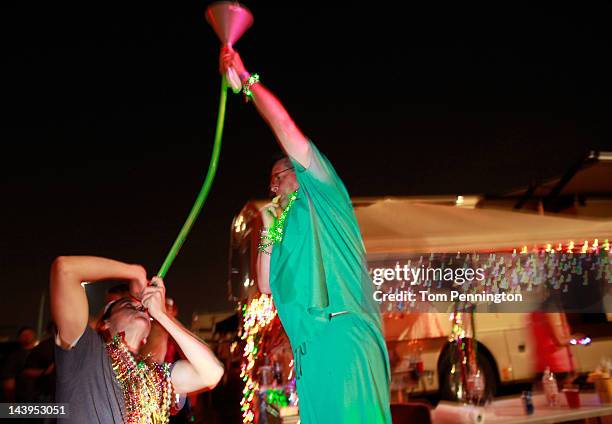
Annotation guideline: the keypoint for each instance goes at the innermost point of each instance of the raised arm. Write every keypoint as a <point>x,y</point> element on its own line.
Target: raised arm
<point>201,369</point>
<point>68,300</point>
<point>289,136</point>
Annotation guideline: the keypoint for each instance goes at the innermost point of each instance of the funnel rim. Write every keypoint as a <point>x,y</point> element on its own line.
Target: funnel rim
<point>232,3</point>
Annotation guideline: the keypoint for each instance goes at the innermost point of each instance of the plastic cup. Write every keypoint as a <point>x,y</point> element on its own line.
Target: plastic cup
<point>572,395</point>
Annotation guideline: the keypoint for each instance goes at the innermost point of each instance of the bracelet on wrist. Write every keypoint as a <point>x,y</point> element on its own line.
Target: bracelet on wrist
<point>263,246</point>
<point>246,86</point>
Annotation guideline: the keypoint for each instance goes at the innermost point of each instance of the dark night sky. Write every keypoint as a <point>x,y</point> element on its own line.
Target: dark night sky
<point>110,107</point>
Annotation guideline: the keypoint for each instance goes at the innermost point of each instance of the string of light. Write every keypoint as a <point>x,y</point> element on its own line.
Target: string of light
<point>256,316</point>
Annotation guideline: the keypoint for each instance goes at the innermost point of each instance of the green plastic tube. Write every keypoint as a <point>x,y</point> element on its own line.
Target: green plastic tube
<point>210,176</point>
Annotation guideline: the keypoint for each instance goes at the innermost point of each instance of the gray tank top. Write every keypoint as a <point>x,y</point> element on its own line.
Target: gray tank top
<point>87,382</point>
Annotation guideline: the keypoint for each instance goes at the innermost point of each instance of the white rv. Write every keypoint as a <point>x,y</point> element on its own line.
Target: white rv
<point>393,229</point>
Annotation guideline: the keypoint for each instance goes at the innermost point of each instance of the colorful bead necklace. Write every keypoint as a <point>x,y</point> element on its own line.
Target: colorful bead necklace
<point>275,232</point>
<point>146,385</point>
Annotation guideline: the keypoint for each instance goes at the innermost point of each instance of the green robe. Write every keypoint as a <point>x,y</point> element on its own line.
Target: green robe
<point>341,362</point>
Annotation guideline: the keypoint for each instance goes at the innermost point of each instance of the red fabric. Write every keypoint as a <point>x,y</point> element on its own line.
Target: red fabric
<point>171,351</point>
<point>548,352</point>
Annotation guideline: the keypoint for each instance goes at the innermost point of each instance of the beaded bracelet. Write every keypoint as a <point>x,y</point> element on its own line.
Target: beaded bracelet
<point>262,245</point>
<point>246,86</point>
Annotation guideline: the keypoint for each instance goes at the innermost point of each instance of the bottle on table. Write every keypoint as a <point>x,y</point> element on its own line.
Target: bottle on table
<point>527,402</point>
<point>549,385</point>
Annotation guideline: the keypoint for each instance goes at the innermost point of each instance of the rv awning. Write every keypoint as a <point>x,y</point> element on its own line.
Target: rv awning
<point>400,226</point>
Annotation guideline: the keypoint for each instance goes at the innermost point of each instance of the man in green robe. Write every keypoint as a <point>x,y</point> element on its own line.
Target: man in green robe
<point>312,260</point>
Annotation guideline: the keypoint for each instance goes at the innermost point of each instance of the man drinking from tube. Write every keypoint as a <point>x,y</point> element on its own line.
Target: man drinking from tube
<point>101,376</point>
<point>311,258</point>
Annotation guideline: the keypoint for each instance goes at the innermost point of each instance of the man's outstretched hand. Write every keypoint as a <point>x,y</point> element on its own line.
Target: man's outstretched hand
<point>229,58</point>
<point>154,298</point>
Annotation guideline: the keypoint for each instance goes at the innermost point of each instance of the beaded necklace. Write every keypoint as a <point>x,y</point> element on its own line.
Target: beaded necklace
<point>275,232</point>
<point>146,385</point>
